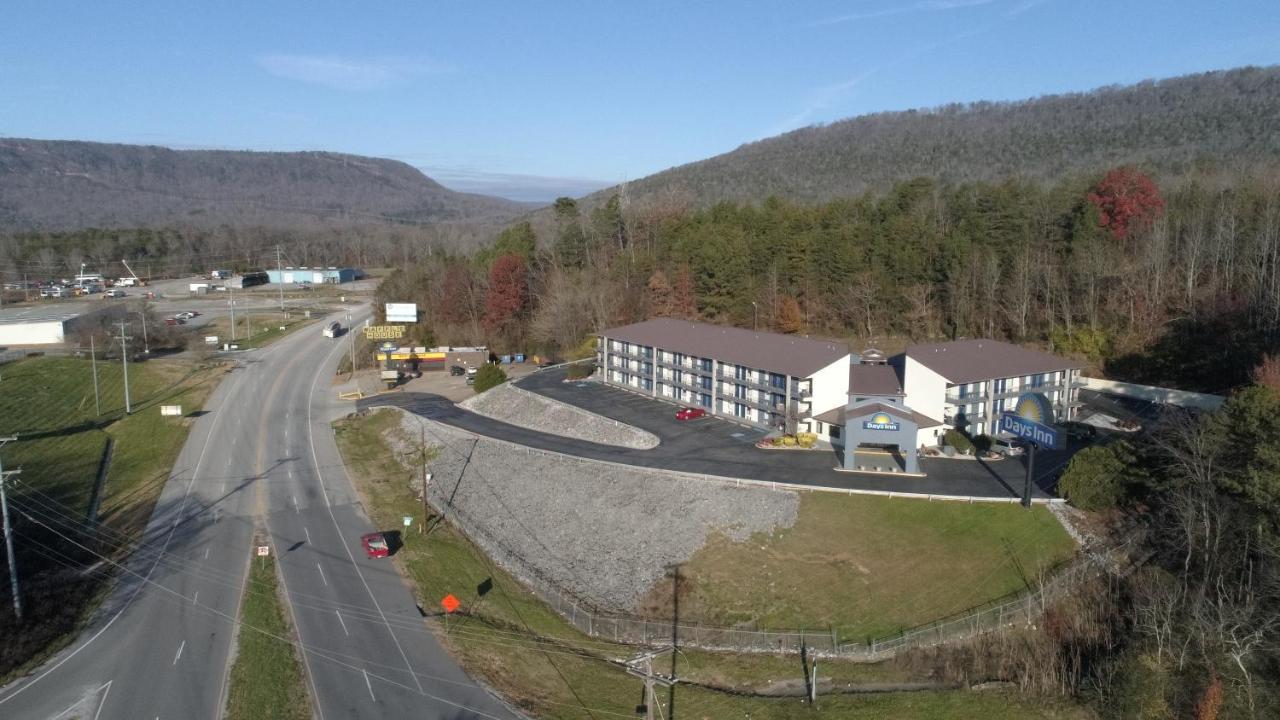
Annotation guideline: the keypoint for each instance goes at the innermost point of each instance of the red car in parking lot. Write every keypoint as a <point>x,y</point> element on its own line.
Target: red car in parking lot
<point>690,413</point>
<point>375,545</point>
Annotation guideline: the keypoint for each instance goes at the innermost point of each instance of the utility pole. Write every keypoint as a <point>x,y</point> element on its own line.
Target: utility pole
<point>124,360</point>
<point>146,346</point>
<point>351,329</point>
<point>280,277</point>
<point>93,358</point>
<point>641,666</point>
<point>426,477</point>
<point>8,532</point>
<point>755,315</point>
<point>231,291</point>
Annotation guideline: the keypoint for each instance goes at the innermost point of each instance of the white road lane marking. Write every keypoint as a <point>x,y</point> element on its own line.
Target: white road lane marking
<point>326,582</point>
<point>368,685</point>
<point>195,597</point>
<point>307,533</point>
<point>206,553</point>
<point>175,657</point>
<point>342,622</point>
<point>295,503</point>
<point>106,689</point>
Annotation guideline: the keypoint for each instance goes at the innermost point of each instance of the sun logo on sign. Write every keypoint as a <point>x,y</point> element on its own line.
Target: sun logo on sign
<point>1034,407</point>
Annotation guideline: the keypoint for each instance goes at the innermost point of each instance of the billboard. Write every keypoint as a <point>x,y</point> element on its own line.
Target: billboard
<point>402,312</point>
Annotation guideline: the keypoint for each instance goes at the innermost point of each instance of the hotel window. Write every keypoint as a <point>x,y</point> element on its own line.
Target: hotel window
<point>740,392</point>
<point>706,365</point>
<point>740,372</point>
<point>777,380</point>
<point>835,431</point>
<point>1000,385</point>
<point>705,400</point>
<point>739,410</point>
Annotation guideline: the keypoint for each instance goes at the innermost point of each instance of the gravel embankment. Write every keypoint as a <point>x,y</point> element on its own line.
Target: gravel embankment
<point>514,405</point>
<point>597,532</point>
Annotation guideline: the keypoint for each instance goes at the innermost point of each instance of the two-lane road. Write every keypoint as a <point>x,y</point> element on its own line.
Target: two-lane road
<point>262,457</point>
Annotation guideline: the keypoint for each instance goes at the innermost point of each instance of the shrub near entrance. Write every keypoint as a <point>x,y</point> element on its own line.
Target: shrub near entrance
<point>489,376</point>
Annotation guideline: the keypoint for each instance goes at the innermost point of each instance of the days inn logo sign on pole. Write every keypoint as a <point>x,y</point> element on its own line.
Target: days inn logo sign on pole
<point>880,421</point>
<point>1032,420</point>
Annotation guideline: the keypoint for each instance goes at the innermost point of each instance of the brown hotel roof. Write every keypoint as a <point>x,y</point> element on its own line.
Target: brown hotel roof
<point>794,355</point>
<point>965,361</point>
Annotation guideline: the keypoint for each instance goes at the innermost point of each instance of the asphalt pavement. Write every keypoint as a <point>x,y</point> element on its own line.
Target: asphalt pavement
<point>707,445</point>
<point>261,458</point>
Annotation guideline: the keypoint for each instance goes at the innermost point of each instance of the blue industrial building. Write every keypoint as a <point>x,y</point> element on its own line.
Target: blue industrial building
<point>313,275</point>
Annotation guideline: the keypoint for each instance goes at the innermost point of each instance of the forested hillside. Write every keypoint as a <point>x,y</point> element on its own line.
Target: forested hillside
<point>61,185</point>
<point>1176,285</point>
<point>1225,120</point>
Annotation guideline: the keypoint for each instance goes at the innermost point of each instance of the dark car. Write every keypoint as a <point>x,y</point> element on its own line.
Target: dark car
<point>690,413</point>
<point>457,370</point>
<point>375,545</point>
<point>1078,431</point>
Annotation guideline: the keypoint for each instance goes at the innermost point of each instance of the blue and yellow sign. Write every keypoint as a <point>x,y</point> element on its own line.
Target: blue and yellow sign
<point>880,421</point>
<point>1032,419</point>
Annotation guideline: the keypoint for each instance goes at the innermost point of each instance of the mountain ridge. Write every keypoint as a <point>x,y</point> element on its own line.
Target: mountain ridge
<point>1171,125</point>
<point>50,185</point>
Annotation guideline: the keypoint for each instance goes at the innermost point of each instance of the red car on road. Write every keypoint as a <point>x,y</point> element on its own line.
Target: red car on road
<point>690,413</point>
<point>375,545</point>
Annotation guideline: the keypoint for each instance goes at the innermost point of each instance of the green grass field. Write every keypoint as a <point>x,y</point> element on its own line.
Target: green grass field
<point>266,678</point>
<point>539,662</point>
<point>255,330</point>
<point>49,404</point>
<point>868,566</point>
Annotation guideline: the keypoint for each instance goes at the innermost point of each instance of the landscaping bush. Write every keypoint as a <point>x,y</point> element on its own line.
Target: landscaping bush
<point>580,371</point>
<point>806,439</point>
<point>959,441</point>
<point>489,376</point>
<point>982,443</point>
<point>1097,477</point>
<point>788,441</point>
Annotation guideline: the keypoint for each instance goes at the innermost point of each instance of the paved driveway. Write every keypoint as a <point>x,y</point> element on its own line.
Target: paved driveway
<point>708,445</point>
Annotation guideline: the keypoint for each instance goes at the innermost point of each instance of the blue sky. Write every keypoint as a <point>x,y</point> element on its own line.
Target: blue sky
<point>537,99</point>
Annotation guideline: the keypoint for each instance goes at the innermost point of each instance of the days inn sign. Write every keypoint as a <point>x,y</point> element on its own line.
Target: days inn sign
<point>880,421</point>
<point>1032,420</point>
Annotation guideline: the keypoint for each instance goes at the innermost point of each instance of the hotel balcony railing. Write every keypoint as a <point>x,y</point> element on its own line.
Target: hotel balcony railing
<point>971,419</point>
<point>955,397</point>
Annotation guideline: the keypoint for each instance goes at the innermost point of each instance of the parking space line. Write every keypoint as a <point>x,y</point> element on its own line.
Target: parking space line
<point>322,579</point>
<point>179,655</point>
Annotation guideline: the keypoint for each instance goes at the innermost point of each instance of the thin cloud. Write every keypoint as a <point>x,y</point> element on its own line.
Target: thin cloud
<point>341,73</point>
<point>1026,5</point>
<point>820,99</point>
<point>921,6</point>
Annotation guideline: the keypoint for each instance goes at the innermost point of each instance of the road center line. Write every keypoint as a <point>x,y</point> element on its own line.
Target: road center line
<point>342,622</point>
<point>368,684</point>
<point>326,582</point>
<point>175,657</point>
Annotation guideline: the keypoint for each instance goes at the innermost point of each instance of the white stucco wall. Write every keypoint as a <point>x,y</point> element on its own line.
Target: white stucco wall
<point>48,332</point>
<point>831,386</point>
<point>925,390</point>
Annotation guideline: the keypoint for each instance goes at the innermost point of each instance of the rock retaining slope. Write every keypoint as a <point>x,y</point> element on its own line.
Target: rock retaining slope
<point>511,404</point>
<point>595,531</point>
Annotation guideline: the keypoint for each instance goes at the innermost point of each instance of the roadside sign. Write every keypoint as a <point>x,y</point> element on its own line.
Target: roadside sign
<point>450,603</point>
<point>408,520</point>
<point>263,551</point>
<point>171,410</point>
<point>384,332</point>
<point>1032,420</point>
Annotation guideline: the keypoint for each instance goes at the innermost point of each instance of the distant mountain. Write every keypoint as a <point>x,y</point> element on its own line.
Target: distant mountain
<point>66,185</point>
<point>1222,119</point>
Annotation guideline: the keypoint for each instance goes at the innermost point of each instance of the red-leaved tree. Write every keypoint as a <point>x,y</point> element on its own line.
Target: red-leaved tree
<point>508,295</point>
<point>1126,200</point>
